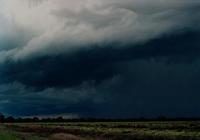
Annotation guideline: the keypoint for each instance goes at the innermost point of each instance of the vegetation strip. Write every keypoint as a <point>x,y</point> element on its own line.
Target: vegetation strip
<point>114,130</point>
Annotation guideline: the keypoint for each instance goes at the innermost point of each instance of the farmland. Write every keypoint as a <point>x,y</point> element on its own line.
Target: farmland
<point>151,130</point>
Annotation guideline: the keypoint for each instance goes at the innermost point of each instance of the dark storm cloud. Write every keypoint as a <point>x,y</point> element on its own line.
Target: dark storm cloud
<point>99,63</point>
<point>124,77</point>
<point>100,58</point>
<point>21,100</point>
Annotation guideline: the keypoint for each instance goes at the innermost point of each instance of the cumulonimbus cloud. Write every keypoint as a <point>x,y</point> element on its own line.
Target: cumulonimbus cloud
<point>99,57</point>
<point>63,26</point>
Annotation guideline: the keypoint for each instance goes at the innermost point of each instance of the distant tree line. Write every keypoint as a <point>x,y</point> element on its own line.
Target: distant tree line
<point>11,119</point>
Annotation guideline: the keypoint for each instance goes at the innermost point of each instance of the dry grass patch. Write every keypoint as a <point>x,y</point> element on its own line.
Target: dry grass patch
<point>63,136</point>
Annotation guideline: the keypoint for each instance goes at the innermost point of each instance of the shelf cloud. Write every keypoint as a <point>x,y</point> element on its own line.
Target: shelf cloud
<point>80,56</point>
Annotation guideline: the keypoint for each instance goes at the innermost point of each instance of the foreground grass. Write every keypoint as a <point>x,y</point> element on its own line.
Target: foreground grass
<point>7,135</point>
<point>110,130</point>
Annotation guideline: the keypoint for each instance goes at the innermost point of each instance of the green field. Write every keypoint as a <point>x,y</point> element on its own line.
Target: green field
<point>183,130</point>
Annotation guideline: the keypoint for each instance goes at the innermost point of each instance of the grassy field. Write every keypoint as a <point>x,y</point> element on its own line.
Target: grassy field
<point>186,130</point>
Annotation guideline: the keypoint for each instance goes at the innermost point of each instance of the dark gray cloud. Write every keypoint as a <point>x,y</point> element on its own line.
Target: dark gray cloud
<point>100,59</point>
<point>98,63</point>
<point>135,79</point>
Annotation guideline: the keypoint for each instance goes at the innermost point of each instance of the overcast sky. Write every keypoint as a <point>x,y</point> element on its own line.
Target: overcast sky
<point>100,58</point>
